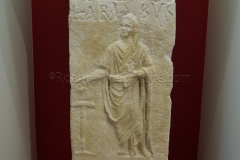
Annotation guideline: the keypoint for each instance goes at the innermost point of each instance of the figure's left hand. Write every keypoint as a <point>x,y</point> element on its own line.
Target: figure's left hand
<point>138,73</point>
<point>117,78</point>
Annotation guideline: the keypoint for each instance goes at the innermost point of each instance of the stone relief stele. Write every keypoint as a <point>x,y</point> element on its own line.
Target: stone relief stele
<point>121,78</point>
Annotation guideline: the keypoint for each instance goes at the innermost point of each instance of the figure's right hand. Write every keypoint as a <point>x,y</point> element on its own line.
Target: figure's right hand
<point>82,79</point>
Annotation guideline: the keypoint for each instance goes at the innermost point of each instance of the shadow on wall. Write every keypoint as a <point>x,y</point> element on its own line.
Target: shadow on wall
<point>18,60</point>
<point>222,17</point>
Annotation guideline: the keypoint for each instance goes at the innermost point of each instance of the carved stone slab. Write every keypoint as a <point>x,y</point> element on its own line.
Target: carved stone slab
<point>121,78</point>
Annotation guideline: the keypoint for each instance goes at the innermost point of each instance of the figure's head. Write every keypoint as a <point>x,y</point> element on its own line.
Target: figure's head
<point>126,28</point>
<point>129,26</point>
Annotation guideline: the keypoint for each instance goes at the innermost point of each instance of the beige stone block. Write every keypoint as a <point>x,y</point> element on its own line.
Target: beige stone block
<point>121,78</point>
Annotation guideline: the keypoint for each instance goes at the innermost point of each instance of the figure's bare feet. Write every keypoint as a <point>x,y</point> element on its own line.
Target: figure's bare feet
<point>134,151</point>
<point>146,153</point>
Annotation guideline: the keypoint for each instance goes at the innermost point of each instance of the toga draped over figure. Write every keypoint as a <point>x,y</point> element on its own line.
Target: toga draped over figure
<point>126,91</point>
<point>126,69</point>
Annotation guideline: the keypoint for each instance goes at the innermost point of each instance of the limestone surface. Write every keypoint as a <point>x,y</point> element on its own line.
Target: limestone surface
<point>121,78</point>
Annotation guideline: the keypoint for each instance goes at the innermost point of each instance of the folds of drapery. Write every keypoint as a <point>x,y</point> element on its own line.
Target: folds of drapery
<point>127,107</point>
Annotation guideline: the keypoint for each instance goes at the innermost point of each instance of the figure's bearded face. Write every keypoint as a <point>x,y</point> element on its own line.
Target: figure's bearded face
<point>126,28</point>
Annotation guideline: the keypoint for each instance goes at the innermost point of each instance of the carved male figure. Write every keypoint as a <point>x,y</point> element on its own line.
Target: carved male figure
<point>126,70</point>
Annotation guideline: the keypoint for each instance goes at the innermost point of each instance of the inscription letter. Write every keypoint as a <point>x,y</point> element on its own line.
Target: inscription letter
<point>157,8</point>
<point>144,13</point>
<point>107,12</point>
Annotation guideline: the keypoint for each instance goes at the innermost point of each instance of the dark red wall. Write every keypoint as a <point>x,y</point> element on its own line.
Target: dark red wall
<point>52,96</point>
<point>188,58</point>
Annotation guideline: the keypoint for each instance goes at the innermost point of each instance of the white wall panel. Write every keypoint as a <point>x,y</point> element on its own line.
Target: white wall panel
<point>220,124</point>
<point>17,140</point>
